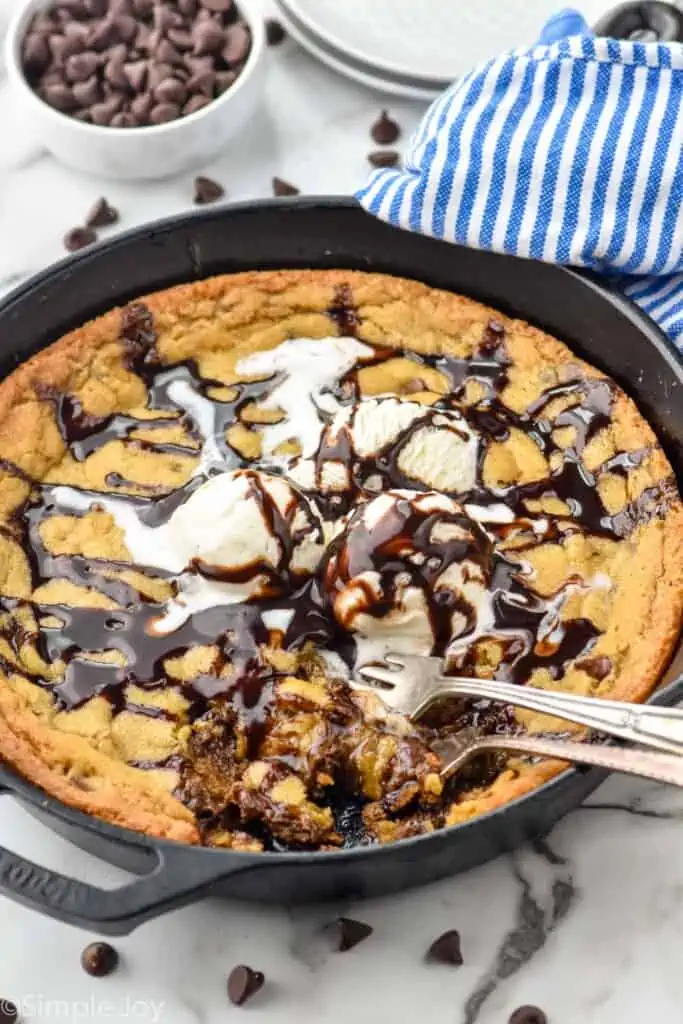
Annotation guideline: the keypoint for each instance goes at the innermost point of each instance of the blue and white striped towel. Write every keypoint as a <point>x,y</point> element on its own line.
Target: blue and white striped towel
<point>569,152</point>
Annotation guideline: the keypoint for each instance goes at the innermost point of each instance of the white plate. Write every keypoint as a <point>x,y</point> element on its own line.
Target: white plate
<point>396,85</point>
<point>429,40</point>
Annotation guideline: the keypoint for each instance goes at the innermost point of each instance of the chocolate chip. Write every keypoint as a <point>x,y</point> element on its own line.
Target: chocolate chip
<point>115,74</point>
<point>99,958</point>
<point>103,35</point>
<point>219,6</point>
<point>528,1015</point>
<point>102,113</point>
<point>36,54</point>
<point>81,66</point>
<point>237,43</point>
<point>167,53</point>
<point>60,97</point>
<point>119,53</point>
<point>164,112</point>
<point>126,27</point>
<point>158,73</point>
<point>87,93</point>
<point>170,90</point>
<point>79,238</point>
<point>446,949</point>
<point>345,933</point>
<point>76,8</point>
<point>385,131</point>
<point>75,30</point>
<point>202,82</point>
<point>187,7</point>
<point>275,33</point>
<point>196,103</point>
<point>243,983</point>
<point>283,188</point>
<point>207,191</point>
<point>9,1014</point>
<point>136,73</point>
<point>224,79</point>
<point>181,39</point>
<point>198,65</point>
<point>102,215</point>
<point>208,38</point>
<point>140,107</point>
<point>123,120</point>
<point>384,157</point>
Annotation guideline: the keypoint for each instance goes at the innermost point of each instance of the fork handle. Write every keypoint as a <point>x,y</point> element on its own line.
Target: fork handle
<point>654,727</point>
<point>646,764</point>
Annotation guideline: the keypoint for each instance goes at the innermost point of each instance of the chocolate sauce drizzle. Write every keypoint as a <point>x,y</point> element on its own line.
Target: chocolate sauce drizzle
<point>527,627</point>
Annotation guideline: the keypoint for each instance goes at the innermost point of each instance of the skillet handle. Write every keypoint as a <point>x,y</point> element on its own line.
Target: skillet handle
<point>182,875</point>
<point>648,21</point>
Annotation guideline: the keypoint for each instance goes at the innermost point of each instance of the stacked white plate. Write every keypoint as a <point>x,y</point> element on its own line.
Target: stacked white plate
<point>416,48</point>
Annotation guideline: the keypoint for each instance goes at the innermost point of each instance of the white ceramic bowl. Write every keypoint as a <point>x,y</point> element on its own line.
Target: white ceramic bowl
<point>157,151</point>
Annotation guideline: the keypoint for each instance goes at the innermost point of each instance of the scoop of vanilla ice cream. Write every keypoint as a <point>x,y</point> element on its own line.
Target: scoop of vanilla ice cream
<point>248,530</point>
<point>386,439</point>
<point>411,565</point>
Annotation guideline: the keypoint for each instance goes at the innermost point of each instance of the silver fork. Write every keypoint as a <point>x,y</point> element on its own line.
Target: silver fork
<point>412,684</point>
<point>647,764</point>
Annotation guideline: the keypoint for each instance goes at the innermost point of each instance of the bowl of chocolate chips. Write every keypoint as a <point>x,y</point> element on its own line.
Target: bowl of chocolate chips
<point>136,88</point>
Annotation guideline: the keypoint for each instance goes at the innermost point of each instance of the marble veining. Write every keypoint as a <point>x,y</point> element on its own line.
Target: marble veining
<point>585,923</point>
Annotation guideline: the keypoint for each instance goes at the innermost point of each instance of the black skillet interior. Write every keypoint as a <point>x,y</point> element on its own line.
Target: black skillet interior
<point>602,327</point>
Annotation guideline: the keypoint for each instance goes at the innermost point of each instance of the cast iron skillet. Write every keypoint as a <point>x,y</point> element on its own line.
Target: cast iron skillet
<point>604,328</point>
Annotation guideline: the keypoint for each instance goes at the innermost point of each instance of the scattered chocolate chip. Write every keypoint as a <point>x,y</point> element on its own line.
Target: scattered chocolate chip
<point>446,949</point>
<point>207,191</point>
<point>385,131</point>
<point>345,933</point>
<point>528,1015</point>
<point>9,1014</point>
<point>243,983</point>
<point>384,157</point>
<point>99,959</point>
<point>102,215</point>
<point>275,33</point>
<point>283,188</point>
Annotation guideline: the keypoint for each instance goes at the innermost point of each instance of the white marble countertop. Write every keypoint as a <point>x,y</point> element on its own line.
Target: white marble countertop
<point>587,927</point>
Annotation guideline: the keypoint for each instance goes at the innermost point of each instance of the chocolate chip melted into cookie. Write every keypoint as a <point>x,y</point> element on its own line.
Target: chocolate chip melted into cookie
<point>527,628</point>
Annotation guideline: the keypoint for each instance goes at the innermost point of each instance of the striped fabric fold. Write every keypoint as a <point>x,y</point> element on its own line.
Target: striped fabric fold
<point>569,152</point>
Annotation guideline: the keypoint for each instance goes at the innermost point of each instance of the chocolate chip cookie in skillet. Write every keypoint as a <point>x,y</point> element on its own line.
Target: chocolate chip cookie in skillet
<point>220,500</point>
